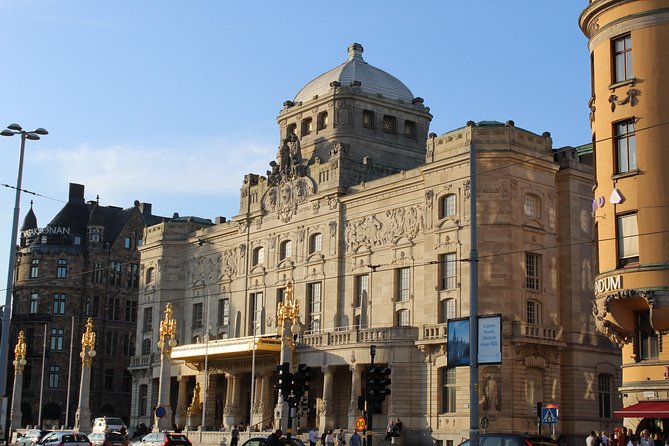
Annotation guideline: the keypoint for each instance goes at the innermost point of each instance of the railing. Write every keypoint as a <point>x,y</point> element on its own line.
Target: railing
<point>535,331</point>
<point>434,331</point>
<point>141,362</point>
<point>355,334</point>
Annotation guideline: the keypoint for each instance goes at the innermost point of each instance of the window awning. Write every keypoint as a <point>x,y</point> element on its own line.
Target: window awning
<point>645,409</point>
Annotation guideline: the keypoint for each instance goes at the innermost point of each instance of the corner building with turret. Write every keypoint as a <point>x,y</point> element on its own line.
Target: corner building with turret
<point>367,214</point>
<point>629,115</point>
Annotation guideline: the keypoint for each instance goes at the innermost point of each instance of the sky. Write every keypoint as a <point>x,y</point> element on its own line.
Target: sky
<point>172,102</point>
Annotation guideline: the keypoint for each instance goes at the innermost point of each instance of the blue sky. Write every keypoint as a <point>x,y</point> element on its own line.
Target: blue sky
<point>172,102</point>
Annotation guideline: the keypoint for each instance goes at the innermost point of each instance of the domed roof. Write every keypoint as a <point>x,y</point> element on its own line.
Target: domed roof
<point>372,80</point>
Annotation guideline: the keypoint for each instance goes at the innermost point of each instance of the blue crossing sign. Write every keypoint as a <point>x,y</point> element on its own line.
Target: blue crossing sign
<point>549,415</point>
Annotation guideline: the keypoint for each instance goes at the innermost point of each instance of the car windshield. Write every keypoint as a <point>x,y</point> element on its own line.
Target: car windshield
<point>114,421</point>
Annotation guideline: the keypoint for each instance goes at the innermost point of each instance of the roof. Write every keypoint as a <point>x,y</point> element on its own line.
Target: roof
<point>645,409</point>
<point>30,222</point>
<point>372,80</point>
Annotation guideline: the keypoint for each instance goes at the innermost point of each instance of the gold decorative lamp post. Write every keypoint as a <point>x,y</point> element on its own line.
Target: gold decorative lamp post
<point>166,342</point>
<point>82,418</point>
<point>19,365</point>
<point>289,327</point>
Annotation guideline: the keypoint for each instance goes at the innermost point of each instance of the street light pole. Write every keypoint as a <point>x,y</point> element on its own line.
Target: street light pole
<point>11,130</point>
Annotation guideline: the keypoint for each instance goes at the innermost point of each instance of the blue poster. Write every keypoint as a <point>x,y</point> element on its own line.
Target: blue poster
<point>458,342</point>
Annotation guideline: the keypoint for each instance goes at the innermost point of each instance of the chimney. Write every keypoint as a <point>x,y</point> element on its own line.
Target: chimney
<point>145,208</point>
<point>76,193</point>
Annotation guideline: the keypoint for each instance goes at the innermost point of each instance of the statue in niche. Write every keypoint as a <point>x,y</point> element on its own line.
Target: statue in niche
<point>491,393</point>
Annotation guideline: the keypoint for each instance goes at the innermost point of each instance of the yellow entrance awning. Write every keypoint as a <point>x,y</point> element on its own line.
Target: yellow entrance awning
<point>221,348</point>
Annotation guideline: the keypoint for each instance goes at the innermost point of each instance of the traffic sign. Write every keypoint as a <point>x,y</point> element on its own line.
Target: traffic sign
<point>160,411</point>
<point>360,424</point>
<point>549,415</point>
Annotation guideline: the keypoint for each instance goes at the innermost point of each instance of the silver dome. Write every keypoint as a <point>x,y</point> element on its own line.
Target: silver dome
<point>372,79</point>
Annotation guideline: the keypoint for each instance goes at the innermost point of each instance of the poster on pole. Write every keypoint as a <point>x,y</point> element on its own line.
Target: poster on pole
<point>490,339</point>
<point>458,342</point>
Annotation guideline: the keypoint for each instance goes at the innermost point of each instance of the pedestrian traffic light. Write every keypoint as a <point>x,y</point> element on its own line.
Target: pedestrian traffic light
<point>301,380</point>
<point>377,383</point>
<point>284,382</point>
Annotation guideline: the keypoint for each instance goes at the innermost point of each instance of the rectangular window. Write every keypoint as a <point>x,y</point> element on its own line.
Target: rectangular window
<point>604,396</point>
<point>257,305</point>
<point>403,318</point>
<point>34,303</point>
<point>403,284</point>
<point>447,310</point>
<point>307,126</point>
<point>625,141</point>
<point>95,235</point>
<point>133,275</point>
<point>54,377</point>
<point>627,233</point>
<point>147,322</point>
<point>622,58</point>
<point>115,272</point>
<point>223,312</point>
<point>126,384</point>
<point>368,119</point>
<point>57,335</point>
<point>447,390</point>
<point>322,120</point>
<point>59,303</point>
<point>115,309</point>
<point>97,272</point>
<point>447,274</point>
<point>197,315</point>
<point>314,306</point>
<point>61,269</point>
<point>646,337</point>
<point>389,124</point>
<point>130,311</point>
<point>127,243</point>
<point>532,271</point>
<point>535,386</point>
<point>409,129</point>
<point>533,313</point>
<point>34,268</point>
<point>361,289</point>
<point>109,379</point>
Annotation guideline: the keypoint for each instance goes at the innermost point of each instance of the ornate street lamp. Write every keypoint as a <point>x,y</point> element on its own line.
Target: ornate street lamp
<point>11,130</point>
<point>82,418</point>
<point>19,365</point>
<point>166,342</point>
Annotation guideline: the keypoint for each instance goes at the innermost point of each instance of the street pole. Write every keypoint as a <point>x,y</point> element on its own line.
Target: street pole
<point>11,130</point>
<point>369,409</point>
<point>473,307</point>
<point>41,384</point>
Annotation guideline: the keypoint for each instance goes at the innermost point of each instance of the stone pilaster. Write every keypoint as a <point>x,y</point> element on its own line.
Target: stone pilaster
<point>326,414</point>
<point>356,390</point>
<point>182,403</point>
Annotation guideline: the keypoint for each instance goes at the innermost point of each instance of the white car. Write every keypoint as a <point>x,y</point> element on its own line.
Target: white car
<point>109,424</point>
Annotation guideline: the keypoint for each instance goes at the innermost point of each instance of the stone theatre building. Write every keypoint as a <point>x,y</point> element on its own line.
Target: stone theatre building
<point>368,215</point>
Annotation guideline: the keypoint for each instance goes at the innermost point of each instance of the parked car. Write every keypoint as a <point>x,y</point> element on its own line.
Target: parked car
<point>107,439</point>
<point>64,438</point>
<point>31,437</point>
<point>165,439</point>
<point>260,441</point>
<point>109,424</point>
<point>505,439</point>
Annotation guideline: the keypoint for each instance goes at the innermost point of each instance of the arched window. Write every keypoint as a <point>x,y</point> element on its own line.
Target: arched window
<point>258,256</point>
<point>403,318</point>
<point>315,243</point>
<point>447,206</point>
<point>533,312</point>
<point>149,275</point>
<point>286,249</point>
<point>61,270</point>
<point>532,205</point>
<point>34,303</point>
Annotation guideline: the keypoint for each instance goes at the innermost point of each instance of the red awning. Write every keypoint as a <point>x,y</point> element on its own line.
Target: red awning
<point>645,409</point>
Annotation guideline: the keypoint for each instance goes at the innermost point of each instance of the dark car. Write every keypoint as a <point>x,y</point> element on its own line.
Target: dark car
<point>64,438</point>
<point>107,439</point>
<point>31,437</point>
<point>505,439</point>
<point>165,439</point>
<point>260,441</point>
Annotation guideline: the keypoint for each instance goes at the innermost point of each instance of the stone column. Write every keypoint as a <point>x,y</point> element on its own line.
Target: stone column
<point>231,409</point>
<point>19,364</point>
<point>356,390</point>
<point>82,418</point>
<point>182,403</point>
<point>266,398</point>
<point>210,410</point>
<point>327,410</point>
<point>257,402</point>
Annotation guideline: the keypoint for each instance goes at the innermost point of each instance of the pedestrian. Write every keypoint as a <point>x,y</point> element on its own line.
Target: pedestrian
<point>633,441</point>
<point>591,440</point>
<point>389,430</point>
<point>356,440</point>
<point>323,437</point>
<point>341,437</point>
<point>234,436</point>
<point>274,439</point>
<point>397,428</point>
<point>329,439</point>
<point>313,437</point>
<point>604,438</point>
<point>645,439</point>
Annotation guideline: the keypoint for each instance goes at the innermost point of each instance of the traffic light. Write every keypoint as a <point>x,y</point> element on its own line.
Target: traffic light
<point>284,382</point>
<point>301,380</point>
<point>377,382</point>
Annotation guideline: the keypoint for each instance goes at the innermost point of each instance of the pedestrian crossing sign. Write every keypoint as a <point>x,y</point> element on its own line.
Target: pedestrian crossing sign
<point>549,415</point>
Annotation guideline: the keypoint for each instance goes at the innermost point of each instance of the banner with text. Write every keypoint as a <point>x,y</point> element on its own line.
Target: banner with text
<point>489,341</point>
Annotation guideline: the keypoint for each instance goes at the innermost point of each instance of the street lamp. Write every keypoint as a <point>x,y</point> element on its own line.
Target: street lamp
<point>167,341</point>
<point>11,130</point>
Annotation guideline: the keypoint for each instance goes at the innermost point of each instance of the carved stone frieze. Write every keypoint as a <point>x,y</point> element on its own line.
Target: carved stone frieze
<point>204,270</point>
<point>384,228</point>
<point>630,98</point>
<point>284,198</point>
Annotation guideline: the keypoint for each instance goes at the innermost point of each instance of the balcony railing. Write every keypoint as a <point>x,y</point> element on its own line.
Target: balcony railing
<point>536,331</point>
<point>141,362</point>
<point>431,332</point>
<point>355,334</point>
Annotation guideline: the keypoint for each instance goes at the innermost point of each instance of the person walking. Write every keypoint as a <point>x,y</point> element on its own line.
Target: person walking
<point>313,437</point>
<point>356,440</point>
<point>341,437</point>
<point>234,436</point>
<point>329,438</point>
<point>274,439</point>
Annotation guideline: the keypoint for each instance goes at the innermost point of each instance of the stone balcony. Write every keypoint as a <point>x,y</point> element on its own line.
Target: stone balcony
<point>351,335</point>
<point>142,362</point>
